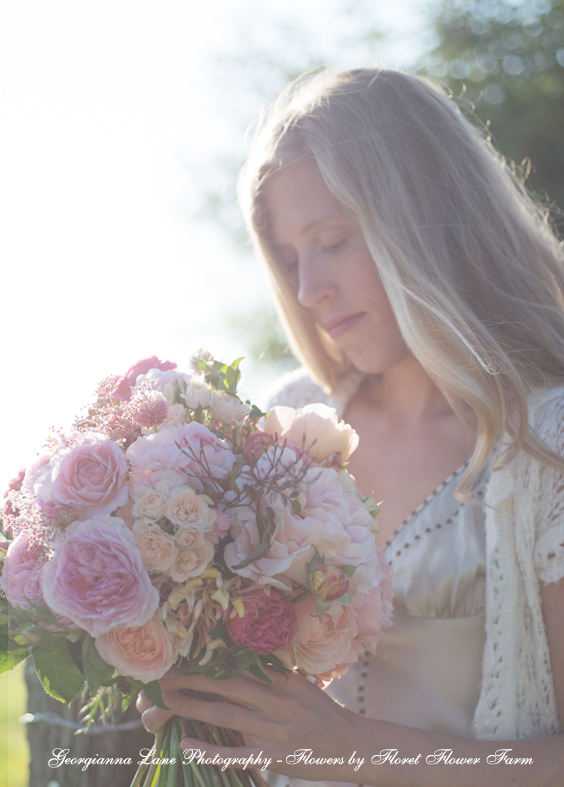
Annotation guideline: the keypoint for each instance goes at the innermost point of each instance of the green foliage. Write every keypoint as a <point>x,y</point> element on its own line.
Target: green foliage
<point>505,59</point>
<point>11,652</point>
<point>154,694</point>
<point>96,671</point>
<point>57,670</point>
<point>222,376</point>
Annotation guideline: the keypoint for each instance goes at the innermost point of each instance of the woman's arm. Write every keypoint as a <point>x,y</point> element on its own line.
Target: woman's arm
<point>293,715</point>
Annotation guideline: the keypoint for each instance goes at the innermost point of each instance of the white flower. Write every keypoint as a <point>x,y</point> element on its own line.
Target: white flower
<point>227,408</point>
<point>190,510</point>
<point>176,414</point>
<point>197,394</point>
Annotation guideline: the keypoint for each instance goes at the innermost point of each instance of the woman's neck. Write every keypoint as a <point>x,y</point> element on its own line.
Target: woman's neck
<point>406,393</point>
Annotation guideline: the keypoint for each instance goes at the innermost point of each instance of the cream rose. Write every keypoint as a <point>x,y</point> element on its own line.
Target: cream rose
<point>188,509</point>
<point>191,562</point>
<point>227,408</point>
<point>197,394</point>
<point>149,504</point>
<point>188,539</point>
<point>143,653</point>
<point>158,550</point>
<point>316,427</point>
<point>176,414</point>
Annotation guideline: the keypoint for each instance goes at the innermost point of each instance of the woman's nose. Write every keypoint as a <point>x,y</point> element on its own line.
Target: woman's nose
<point>314,286</point>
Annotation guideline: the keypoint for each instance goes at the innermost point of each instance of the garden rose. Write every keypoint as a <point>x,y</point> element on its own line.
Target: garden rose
<point>205,457</point>
<point>335,523</point>
<point>89,474</point>
<point>197,394</point>
<point>96,577</point>
<point>157,452</point>
<point>176,414</point>
<point>190,510</point>
<point>157,548</point>
<point>150,504</point>
<point>143,653</point>
<point>21,577</point>
<point>316,427</point>
<point>269,622</point>
<point>226,408</point>
<point>325,642</point>
<point>124,384</point>
<point>191,562</point>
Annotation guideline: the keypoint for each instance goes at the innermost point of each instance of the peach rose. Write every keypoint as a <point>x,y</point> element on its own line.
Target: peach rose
<point>143,653</point>
<point>191,562</point>
<point>188,539</point>
<point>325,642</point>
<point>316,427</point>
<point>190,510</point>
<point>158,550</point>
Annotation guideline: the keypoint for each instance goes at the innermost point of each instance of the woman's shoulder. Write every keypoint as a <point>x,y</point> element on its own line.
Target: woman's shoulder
<point>297,389</point>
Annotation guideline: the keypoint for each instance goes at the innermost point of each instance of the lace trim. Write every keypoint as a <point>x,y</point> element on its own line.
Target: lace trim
<point>549,555</point>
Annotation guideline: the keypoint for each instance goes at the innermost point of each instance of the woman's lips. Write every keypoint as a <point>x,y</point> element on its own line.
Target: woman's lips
<point>339,326</point>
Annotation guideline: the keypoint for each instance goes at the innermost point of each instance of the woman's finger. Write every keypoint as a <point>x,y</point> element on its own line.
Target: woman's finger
<point>143,703</point>
<point>223,714</point>
<point>155,718</point>
<point>244,689</point>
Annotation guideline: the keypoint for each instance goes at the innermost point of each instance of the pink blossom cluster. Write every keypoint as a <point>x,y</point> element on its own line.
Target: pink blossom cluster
<point>144,527</point>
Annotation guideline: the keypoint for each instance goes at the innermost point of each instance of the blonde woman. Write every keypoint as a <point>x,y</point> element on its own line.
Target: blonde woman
<point>424,293</point>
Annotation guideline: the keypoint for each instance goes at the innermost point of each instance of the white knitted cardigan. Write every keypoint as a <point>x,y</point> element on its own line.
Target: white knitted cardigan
<point>524,546</point>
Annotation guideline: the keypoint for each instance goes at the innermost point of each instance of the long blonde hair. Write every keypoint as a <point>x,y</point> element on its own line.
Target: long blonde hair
<point>471,266</point>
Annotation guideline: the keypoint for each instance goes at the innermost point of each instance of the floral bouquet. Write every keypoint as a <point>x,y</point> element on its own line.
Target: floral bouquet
<point>176,524</point>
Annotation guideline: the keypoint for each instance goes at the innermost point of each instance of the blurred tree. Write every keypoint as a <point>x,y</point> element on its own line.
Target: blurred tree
<point>505,60</point>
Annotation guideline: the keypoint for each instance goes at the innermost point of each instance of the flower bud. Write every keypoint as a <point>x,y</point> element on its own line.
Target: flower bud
<point>329,582</point>
<point>256,445</point>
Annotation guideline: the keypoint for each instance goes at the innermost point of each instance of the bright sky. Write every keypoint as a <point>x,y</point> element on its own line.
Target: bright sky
<point>106,108</point>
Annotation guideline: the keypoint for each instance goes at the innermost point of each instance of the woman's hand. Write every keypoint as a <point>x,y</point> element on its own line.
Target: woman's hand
<point>277,720</point>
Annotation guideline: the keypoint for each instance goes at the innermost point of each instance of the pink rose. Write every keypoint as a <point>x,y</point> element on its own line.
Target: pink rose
<point>325,642</point>
<point>143,653</point>
<point>21,578</point>
<point>124,384</point>
<point>336,524</point>
<point>269,622</point>
<point>373,610</point>
<point>206,457</point>
<point>316,427</point>
<point>96,577</point>
<point>90,474</point>
<point>157,452</point>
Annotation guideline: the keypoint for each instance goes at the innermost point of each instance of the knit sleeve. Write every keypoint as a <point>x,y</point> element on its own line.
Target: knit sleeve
<point>549,544</point>
<point>296,389</point>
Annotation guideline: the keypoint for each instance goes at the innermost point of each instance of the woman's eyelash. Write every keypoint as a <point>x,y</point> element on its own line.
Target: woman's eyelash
<point>334,246</point>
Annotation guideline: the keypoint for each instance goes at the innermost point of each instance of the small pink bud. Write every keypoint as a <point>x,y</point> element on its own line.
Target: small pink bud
<point>329,582</point>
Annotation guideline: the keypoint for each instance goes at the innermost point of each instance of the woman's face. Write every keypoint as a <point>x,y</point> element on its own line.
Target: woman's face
<point>324,255</point>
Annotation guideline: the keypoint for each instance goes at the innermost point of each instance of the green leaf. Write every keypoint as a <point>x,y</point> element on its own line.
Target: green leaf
<point>128,697</point>
<point>154,694</point>
<point>348,570</point>
<point>11,655</point>
<point>96,670</point>
<point>219,631</point>
<point>344,599</point>
<point>322,606</point>
<point>57,671</point>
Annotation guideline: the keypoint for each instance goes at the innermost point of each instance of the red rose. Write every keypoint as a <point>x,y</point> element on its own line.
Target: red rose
<point>269,622</point>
